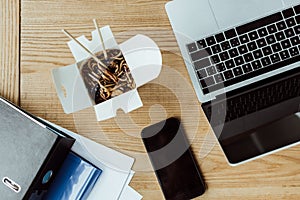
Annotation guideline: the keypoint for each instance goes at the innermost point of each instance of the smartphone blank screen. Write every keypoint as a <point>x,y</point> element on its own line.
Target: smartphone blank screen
<point>172,160</point>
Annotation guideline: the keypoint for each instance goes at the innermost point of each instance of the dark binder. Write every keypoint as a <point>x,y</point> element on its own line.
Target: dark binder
<point>30,151</point>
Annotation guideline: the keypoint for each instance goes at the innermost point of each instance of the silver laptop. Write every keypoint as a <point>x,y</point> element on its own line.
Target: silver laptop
<point>236,51</point>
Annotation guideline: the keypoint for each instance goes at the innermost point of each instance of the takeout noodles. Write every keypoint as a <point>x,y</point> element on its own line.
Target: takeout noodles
<point>107,79</point>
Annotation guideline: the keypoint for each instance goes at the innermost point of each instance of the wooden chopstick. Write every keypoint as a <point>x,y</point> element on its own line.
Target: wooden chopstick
<point>101,38</point>
<point>86,49</point>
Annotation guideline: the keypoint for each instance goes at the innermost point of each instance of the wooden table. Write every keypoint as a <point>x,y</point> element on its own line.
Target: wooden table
<point>32,45</point>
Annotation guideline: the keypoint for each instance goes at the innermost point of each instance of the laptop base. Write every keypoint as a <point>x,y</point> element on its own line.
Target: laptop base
<point>272,137</point>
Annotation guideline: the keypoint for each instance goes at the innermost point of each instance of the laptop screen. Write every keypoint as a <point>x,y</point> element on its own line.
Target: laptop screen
<point>258,118</point>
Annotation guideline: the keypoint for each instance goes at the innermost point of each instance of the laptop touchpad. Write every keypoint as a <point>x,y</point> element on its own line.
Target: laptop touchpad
<point>231,13</point>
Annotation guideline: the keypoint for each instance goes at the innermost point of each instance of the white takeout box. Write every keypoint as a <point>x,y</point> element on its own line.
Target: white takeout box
<point>144,61</point>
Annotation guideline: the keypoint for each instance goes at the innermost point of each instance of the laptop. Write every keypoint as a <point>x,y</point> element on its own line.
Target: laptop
<point>243,59</point>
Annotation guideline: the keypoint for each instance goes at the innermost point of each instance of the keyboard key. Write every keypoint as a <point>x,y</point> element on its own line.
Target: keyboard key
<point>201,74</point>
<point>261,42</point>
<point>266,61</point>
<point>247,68</point>
<point>201,44</point>
<point>239,61</point>
<point>280,36</point>
<point>251,74</point>
<point>208,50</point>
<point>281,25</point>
<point>219,78</point>
<point>237,71</point>
<point>289,33</point>
<point>286,44</point>
<point>297,9</point>
<point>267,51</point>
<point>215,59</point>
<point>234,42</point>
<point>262,32</point>
<point>259,23</point>
<point>257,54</point>
<point>206,90</point>
<point>272,29</point>
<point>295,40</point>
<point>253,35</point>
<point>220,37</point>
<point>288,13</point>
<point>202,63</point>
<point>207,82</point>
<point>229,64</point>
<point>225,45</point>
<point>271,39</point>
<point>220,67</point>
<point>199,55</point>
<point>252,46</point>
<point>216,49</point>
<point>297,29</point>
<point>244,39</point>
<point>211,70</point>
<point>256,65</point>
<point>276,47</point>
<point>224,56</point>
<point>228,75</point>
<point>210,41</point>
<point>248,57</point>
<point>284,55</point>
<point>291,22</point>
<point>230,34</point>
<point>294,51</point>
<point>275,58</point>
<point>298,19</point>
<point>233,52</point>
<point>243,49</point>
<point>192,47</point>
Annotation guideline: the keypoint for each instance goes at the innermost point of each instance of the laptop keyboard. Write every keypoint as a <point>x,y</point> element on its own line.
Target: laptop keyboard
<point>247,51</point>
<point>256,100</point>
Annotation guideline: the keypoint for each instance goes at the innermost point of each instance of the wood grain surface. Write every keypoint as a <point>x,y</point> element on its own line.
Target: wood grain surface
<point>43,48</point>
<point>9,45</point>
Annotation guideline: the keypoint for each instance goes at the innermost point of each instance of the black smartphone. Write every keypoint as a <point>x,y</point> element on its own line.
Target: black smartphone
<point>173,161</point>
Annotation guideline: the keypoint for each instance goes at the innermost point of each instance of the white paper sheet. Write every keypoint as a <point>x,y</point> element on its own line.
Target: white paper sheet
<point>115,166</point>
<point>130,194</point>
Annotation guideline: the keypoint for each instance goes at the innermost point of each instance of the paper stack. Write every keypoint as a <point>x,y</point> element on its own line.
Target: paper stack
<point>116,169</point>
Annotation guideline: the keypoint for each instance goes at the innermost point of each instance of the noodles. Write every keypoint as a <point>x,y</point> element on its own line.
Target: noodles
<point>111,80</point>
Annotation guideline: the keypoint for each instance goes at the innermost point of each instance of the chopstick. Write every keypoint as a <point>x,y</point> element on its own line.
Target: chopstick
<point>101,38</point>
<point>83,47</point>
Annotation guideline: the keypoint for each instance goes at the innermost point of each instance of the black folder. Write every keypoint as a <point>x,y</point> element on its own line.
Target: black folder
<point>31,153</point>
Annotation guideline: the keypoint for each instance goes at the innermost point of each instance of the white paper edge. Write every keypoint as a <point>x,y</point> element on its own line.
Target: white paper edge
<point>130,194</point>
<point>113,179</point>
